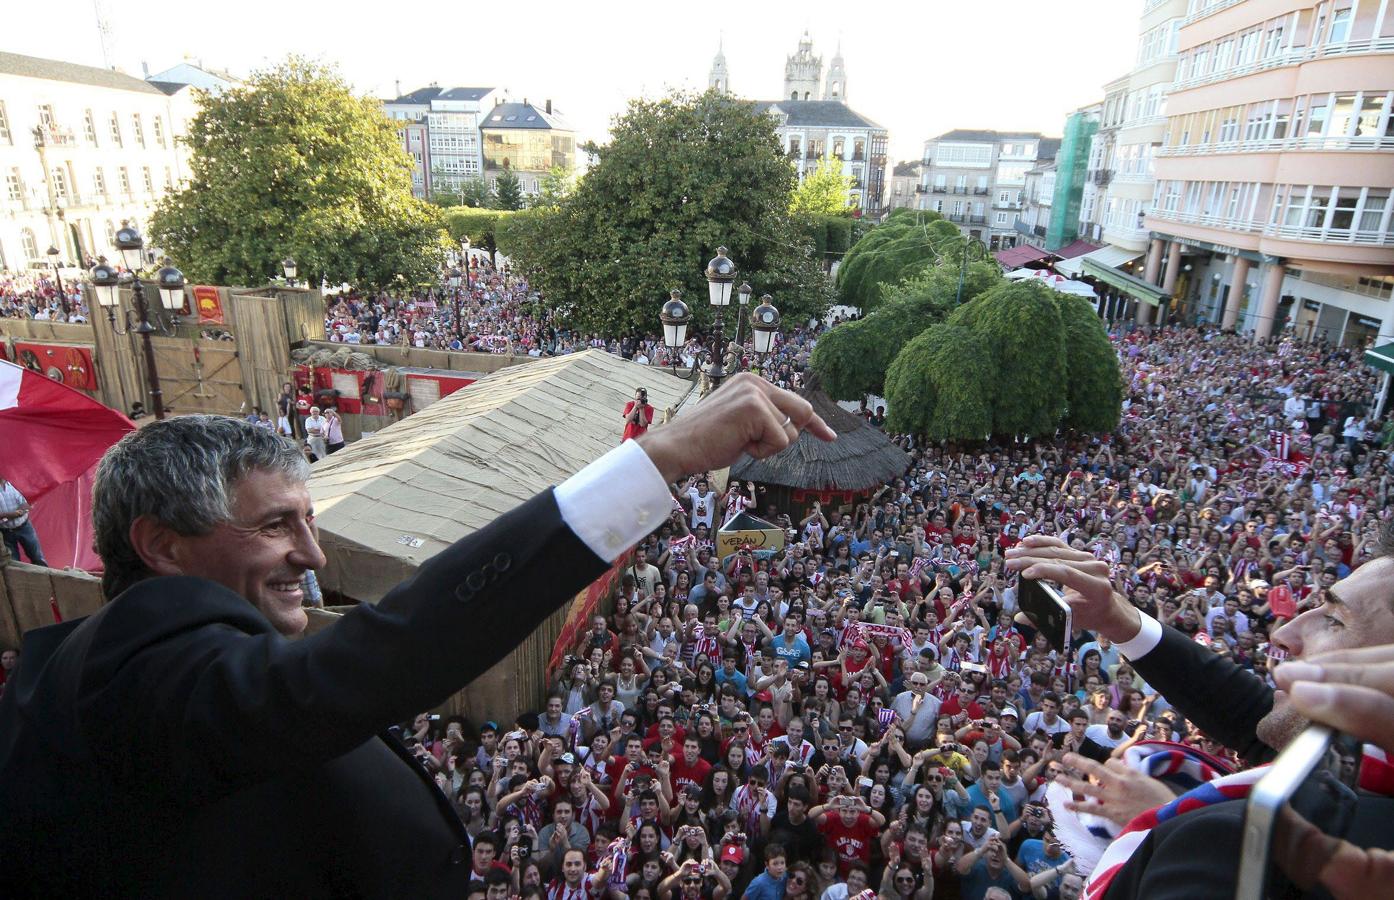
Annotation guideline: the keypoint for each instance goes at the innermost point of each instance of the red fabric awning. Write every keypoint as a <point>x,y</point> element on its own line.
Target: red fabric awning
<point>1078,248</point>
<point>1016,257</point>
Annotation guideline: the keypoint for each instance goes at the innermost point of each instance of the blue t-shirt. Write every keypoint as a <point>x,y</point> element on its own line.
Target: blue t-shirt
<point>1033,858</point>
<point>975,884</point>
<point>764,887</point>
<point>737,678</point>
<point>796,652</point>
<point>977,796</point>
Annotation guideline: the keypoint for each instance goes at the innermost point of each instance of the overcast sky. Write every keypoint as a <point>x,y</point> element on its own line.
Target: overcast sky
<point>918,68</point>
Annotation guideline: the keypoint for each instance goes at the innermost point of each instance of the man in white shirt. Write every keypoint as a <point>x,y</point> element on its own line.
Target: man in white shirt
<point>918,709</point>
<point>15,526</point>
<point>703,504</point>
<point>1047,718</point>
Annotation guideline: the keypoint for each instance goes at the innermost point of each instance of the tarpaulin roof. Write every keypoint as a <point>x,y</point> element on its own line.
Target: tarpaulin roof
<point>1077,248</point>
<point>1110,256</point>
<point>388,503</point>
<point>1020,255</point>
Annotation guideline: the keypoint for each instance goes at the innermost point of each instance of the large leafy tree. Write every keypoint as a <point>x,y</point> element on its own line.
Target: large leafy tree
<point>853,358</point>
<point>822,192</point>
<point>1094,386</point>
<point>889,253</point>
<point>681,176</point>
<point>291,162</point>
<point>941,385</point>
<point>508,191</point>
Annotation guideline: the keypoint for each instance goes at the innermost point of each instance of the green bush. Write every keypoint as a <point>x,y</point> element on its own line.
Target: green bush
<point>479,225</point>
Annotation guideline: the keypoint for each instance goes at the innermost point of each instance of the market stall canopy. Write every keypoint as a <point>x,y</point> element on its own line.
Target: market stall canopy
<point>1055,282</point>
<point>388,503</point>
<point>860,459</point>
<point>1020,255</point>
<point>1109,256</point>
<point>1381,357</point>
<point>1077,248</point>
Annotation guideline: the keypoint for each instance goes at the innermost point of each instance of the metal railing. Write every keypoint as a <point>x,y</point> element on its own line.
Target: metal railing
<point>980,191</point>
<point>1208,9</point>
<point>1268,145</point>
<point>1326,235</point>
<point>1289,57</point>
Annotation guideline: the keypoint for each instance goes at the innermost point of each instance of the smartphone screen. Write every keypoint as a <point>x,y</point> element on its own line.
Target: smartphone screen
<point>1310,786</point>
<point>1048,612</point>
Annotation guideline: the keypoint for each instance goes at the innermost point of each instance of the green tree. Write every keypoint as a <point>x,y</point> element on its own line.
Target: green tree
<point>475,192</point>
<point>291,162</point>
<point>823,192</point>
<point>853,358</point>
<point>508,192</point>
<point>479,225</point>
<point>556,184</point>
<point>681,175</point>
<point>941,385</point>
<point>1093,386</point>
<point>893,251</point>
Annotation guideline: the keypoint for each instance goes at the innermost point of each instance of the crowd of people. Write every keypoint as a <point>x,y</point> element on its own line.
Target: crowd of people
<point>38,296</point>
<point>865,710</point>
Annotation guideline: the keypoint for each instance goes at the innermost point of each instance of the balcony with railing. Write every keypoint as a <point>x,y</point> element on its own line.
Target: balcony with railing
<point>1208,8</point>
<point>960,189</point>
<point>1317,234</point>
<point>1290,57</point>
<point>1270,145</point>
<point>1102,177</point>
<point>977,220</point>
<point>980,191</point>
<point>957,217</point>
<point>53,136</point>
<point>921,189</point>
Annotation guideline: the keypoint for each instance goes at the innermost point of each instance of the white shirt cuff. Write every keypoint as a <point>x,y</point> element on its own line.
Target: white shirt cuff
<point>1145,641</point>
<point>615,501</point>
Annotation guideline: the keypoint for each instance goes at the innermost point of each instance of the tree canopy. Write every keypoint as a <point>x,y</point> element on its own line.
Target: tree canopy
<point>508,191</point>
<point>1019,359</point>
<point>853,358</point>
<point>823,192</point>
<point>681,176</point>
<point>902,247</point>
<point>291,162</point>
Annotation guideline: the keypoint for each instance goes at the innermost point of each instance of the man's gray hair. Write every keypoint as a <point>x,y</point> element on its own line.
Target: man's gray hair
<point>180,471</point>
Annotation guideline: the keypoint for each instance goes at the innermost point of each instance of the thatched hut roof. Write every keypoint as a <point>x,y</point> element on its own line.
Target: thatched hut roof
<point>861,458</point>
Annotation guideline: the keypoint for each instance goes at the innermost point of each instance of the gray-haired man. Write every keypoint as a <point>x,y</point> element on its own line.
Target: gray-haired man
<point>176,744</point>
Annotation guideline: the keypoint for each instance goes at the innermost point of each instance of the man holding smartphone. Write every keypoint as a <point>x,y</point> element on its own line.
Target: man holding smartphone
<point>1200,849</point>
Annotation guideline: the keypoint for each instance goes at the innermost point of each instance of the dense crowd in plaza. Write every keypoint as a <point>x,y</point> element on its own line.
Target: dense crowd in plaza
<point>38,296</point>
<point>863,711</point>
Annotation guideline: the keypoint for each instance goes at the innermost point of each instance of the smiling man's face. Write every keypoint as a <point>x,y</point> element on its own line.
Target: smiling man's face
<point>1360,614</point>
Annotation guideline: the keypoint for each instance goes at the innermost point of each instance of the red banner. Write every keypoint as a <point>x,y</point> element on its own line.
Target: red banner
<point>583,607</point>
<point>209,303</point>
<point>64,363</point>
<point>4,352</point>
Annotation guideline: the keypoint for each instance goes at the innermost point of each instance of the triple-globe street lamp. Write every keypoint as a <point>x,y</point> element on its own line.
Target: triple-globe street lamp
<point>721,277</point>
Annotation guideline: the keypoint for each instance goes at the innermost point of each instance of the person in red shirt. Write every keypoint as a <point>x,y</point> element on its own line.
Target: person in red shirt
<point>638,415</point>
<point>850,827</point>
<point>689,767</point>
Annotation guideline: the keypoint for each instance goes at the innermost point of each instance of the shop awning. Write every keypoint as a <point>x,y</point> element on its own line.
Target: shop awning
<point>1128,284</point>
<point>1016,257</point>
<point>1077,248</point>
<point>1381,357</point>
<point>1109,256</point>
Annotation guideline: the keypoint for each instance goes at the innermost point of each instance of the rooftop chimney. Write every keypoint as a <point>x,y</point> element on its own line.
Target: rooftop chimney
<point>549,107</point>
<point>144,69</point>
<point>398,85</point>
<point>525,101</point>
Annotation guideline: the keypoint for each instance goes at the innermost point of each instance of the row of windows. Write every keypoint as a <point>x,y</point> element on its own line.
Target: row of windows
<point>64,184</point>
<point>1157,43</point>
<point>55,134</point>
<point>815,147</point>
<point>1324,24</point>
<point>29,243</point>
<point>1319,118</point>
<point>1252,205</point>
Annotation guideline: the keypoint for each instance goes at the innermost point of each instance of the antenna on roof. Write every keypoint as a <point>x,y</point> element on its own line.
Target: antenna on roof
<point>105,34</point>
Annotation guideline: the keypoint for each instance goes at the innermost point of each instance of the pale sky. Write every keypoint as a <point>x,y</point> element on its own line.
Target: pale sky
<point>918,68</point>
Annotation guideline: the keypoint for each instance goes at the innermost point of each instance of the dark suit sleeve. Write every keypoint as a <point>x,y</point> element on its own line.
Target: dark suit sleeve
<point>196,696</point>
<point>1192,857</point>
<point>1224,700</point>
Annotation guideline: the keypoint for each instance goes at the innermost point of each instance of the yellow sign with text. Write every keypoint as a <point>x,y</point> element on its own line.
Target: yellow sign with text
<point>746,530</point>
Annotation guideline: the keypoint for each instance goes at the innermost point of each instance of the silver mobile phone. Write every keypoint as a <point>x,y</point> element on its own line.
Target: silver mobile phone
<point>1312,783</point>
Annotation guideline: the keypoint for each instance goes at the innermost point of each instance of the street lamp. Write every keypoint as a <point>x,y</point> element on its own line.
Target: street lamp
<point>58,276</point>
<point>764,323</point>
<point>675,317</point>
<point>288,264</point>
<point>743,294</point>
<point>171,284</point>
<point>721,275</point>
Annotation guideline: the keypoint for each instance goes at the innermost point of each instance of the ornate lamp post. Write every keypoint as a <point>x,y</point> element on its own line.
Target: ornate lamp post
<point>52,255</point>
<point>675,317</point>
<point>721,275</point>
<point>764,323</point>
<point>171,286</point>
<point>743,294</point>
<point>288,264</point>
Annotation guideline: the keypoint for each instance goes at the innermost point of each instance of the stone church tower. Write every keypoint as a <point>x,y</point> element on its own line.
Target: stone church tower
<point>803,72</point>
<point>836,86</point>
<point>719,78</point>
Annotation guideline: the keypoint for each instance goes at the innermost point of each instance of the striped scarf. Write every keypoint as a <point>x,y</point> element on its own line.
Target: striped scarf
<point>1179,766</point>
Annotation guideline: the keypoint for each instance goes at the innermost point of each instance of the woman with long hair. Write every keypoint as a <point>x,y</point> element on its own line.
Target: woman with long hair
<point>720,787</point>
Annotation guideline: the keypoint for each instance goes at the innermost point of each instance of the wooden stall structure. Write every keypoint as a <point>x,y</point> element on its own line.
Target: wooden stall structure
<point>393,500</point>
<point>837,474</point>
<point>35,596</point>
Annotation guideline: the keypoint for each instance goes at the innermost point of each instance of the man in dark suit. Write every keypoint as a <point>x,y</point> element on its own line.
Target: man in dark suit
<point>178,744</point>
<point>1196,855</point>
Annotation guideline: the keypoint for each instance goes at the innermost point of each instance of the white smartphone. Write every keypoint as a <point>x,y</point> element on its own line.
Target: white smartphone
<point>1313,781</point>
<point>1047,611</point>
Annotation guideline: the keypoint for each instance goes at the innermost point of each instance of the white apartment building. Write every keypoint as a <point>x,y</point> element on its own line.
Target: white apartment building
<point>976,179</point>
<point>81,150</point>
<point>439,127</point>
